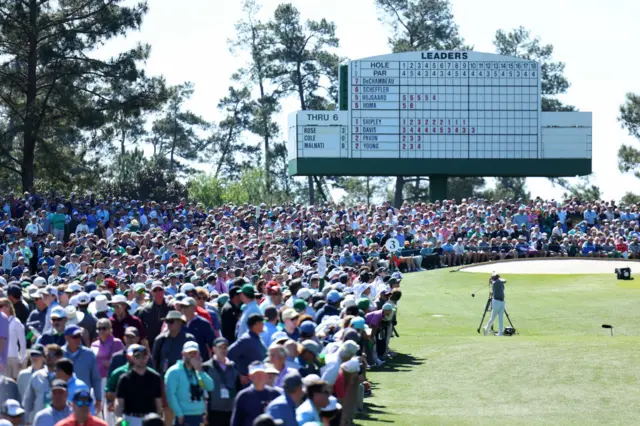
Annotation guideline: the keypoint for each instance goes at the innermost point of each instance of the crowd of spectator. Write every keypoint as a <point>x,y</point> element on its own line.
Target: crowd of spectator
<point>151,313</point>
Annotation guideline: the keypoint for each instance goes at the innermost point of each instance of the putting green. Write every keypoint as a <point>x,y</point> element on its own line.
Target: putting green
<point>563,367</point>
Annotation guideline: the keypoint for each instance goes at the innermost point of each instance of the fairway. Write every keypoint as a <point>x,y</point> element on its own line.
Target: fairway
<point>563,368</point>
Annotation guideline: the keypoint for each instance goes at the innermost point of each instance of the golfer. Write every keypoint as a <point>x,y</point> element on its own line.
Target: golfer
<point>497,287</point>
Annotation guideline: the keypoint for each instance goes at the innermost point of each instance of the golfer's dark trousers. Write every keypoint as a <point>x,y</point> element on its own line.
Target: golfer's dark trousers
<point>219,418</point>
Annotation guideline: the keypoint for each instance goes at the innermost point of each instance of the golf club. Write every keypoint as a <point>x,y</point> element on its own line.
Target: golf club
<point>481,288</point>
<point>610,327</point>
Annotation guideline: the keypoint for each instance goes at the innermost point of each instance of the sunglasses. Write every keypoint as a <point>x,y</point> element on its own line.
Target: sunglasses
<point>102,328</point>
<point>83,403</point>
<point>140,355</point>
<point>157,290</point>
<point>57,319</point>
<point>169,322</point>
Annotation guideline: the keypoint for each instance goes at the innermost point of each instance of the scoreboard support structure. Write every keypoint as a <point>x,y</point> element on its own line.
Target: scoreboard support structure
<point>440,114</point>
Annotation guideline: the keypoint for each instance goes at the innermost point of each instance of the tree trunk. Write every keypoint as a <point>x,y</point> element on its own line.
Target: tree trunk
<point>312,193</point>
<point>368,192</point>
<point>398,197</point>
<point>29,135</point>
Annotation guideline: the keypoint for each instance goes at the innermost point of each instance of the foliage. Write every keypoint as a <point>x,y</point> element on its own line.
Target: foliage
<point>137,177</point>
<point>362,189</point>
<point>629,118</point>
<point>513,188</point>
<point>250,188</point>
<point>206,189</point>
<point>421,25</point>
<point>583,189</point>
<point>51,86</point>
<point>519,43</point>
<point>231,153</point>
<point>629,199</point>
<point>253,36</point>
<point>175,135</point>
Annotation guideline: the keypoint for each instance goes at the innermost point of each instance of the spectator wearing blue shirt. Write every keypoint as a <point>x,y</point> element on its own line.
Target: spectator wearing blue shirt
<point>590,216</point>
<point>521,218</point>
<point>284,406</point>
<point>270,324</point>
<point>248,298</point>
<point>248,348</point>
<point>199,327</point>
<point>250,402</point>
<point>65,371</point>
<point>588,248</point>
<point>84,360</point>
<point>317,399</point>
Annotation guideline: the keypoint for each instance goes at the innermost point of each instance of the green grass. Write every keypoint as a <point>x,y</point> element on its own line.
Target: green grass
<point>563,368</point>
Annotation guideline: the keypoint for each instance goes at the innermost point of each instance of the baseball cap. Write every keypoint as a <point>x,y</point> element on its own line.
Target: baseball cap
<point>300,305</point>
<point>188,301</point>
<point>289,314</point>
<point>220,341</point>
<point>72,331</point>
<point>357,323</point>
<point>58,312</point>
<point>256,367</point>
<point>12,408</point>
<point>303,293</point>
<point>131,331</point>
<point>119,298</point>
<point>51,290</point>
<point>291,381</point>
<point>157,284</point>
<point>333,296</point>
<point>333,405</point>
<point>36,349</point>
<point>187,287</point>
<point>82,393</point>
<point>83,298</point>
<point>312,346</point>
<point>59,384</point>
<point>135,349</point>
<point>307,328</point>
<point>190,347</point>
<point>248,290</point>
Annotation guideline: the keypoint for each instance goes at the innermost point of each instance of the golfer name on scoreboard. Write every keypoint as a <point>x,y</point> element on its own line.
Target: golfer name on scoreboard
<point>318,134</point>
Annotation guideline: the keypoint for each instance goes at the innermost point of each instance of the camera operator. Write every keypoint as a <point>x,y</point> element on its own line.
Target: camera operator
<point>498,303</point>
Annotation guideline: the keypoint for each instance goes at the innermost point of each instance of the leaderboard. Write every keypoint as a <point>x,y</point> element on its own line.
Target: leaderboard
<point>444,105</point>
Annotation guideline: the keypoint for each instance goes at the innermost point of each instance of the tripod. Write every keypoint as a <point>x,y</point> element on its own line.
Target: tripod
<point>488,308</point>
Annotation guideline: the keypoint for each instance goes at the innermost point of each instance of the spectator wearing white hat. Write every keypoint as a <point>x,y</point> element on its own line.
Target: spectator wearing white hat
<point>331,412</point>
<point>186,384</point>
<point>12,412</point>
<point>86,319</point>
<point>122,319</point>
<point>251,401</point>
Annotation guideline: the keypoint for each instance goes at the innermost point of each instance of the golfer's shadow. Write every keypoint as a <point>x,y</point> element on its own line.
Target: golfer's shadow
<point>372,414</point>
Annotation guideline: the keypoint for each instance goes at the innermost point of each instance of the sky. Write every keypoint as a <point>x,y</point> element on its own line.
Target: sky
<point>595,39</point>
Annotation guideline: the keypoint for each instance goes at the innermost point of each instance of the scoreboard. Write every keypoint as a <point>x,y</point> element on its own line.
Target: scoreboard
<point>456,105</point>
<point>451,113</point>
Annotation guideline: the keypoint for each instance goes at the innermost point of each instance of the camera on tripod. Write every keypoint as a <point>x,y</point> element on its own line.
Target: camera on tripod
<point>623,273</point>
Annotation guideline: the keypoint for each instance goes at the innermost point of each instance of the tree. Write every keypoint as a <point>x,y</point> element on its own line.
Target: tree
<point>305,66</point>
<point>629,118</point>
<point>254,36</point>
<point>51,85</point>
<point>206,189</point>
<point>176,133</point>
<point>513,188</point>
<point>362,189</point>
<point>629,199</point>
<point>520,44</point>
<point>232,153</point>
<point>420,25</point>
<point>125,121</point>
<point>583,189</point>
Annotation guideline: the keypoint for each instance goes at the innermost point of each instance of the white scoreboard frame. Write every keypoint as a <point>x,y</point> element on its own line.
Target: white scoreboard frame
<point>398,105</point>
